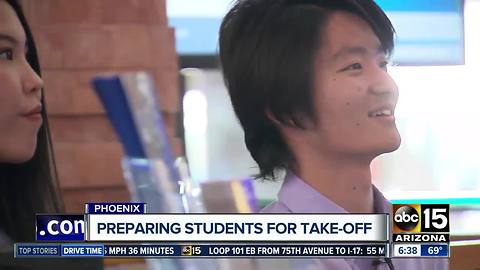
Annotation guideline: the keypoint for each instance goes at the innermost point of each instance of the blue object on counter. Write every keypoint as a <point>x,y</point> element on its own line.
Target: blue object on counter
<point>111,94</point>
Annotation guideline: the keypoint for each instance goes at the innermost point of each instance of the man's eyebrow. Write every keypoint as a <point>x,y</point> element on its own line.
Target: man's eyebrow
<point>8,38</point>
<point>355,50</point>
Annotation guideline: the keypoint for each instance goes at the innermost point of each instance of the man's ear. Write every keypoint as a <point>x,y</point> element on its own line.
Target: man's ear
<point>277,122</point>
<point>298,121</point>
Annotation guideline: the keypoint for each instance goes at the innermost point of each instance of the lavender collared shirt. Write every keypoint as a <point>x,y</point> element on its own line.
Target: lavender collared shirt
<point>296,196</point>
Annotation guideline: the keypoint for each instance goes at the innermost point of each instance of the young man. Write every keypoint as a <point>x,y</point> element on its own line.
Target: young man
<point>308,81</point>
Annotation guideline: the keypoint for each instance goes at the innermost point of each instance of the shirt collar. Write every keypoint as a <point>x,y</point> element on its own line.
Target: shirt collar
<point>300,197</point>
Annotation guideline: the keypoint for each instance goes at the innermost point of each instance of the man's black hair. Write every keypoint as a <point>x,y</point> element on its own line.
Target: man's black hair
<point>267,50</point>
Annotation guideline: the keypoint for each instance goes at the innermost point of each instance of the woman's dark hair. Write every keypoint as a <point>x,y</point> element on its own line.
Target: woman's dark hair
<point>267,49</point>
<point>30,187</point>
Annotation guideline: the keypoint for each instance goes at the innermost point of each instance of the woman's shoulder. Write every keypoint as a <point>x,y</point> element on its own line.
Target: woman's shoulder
<point>4,239</point>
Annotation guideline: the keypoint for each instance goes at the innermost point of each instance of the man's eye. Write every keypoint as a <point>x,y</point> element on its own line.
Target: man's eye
<point>384,65</point>
<point>6,54</point>
<point>356,66</point>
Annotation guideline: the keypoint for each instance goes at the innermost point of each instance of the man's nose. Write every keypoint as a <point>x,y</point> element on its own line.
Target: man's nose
<point>383,84</point>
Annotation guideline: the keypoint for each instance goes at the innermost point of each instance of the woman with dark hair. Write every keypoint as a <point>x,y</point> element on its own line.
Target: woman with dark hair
<point>27,169</point>
<point>27,174</point>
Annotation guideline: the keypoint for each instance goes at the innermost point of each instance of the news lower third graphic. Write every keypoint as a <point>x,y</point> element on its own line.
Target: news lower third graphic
<point>421,230</point>
<point>420,218</point>
<point>115,208</point>
<point>421,250</point>
<point>60,228</point>
<point>128,230</point>
<point>201,250</point>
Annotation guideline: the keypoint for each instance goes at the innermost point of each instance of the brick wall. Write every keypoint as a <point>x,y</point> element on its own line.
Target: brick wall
<point>77,39</point>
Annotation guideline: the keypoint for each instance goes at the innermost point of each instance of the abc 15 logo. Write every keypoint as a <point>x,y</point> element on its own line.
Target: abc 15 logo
<point>191,250</point>
<point>419,218</point>
<point>186,250</point>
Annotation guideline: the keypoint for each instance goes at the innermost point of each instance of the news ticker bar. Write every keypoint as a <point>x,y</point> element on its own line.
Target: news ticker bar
<point>34,250</point>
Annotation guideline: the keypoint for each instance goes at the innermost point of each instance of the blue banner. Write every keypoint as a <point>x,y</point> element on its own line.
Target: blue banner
<point>85,250</point>
<point>60,228</point>
<point>115,208</point>
<point>435,250</point>
<point>37,250</point>
<point>202,250</point>
<point>421,5</point>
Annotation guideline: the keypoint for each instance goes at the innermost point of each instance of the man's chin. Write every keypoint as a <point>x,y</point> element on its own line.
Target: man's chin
<point>392,146</point>
<point>385,148</point>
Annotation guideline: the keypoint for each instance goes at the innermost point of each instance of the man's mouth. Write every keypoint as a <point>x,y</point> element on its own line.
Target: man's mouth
<point>381,113</point>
